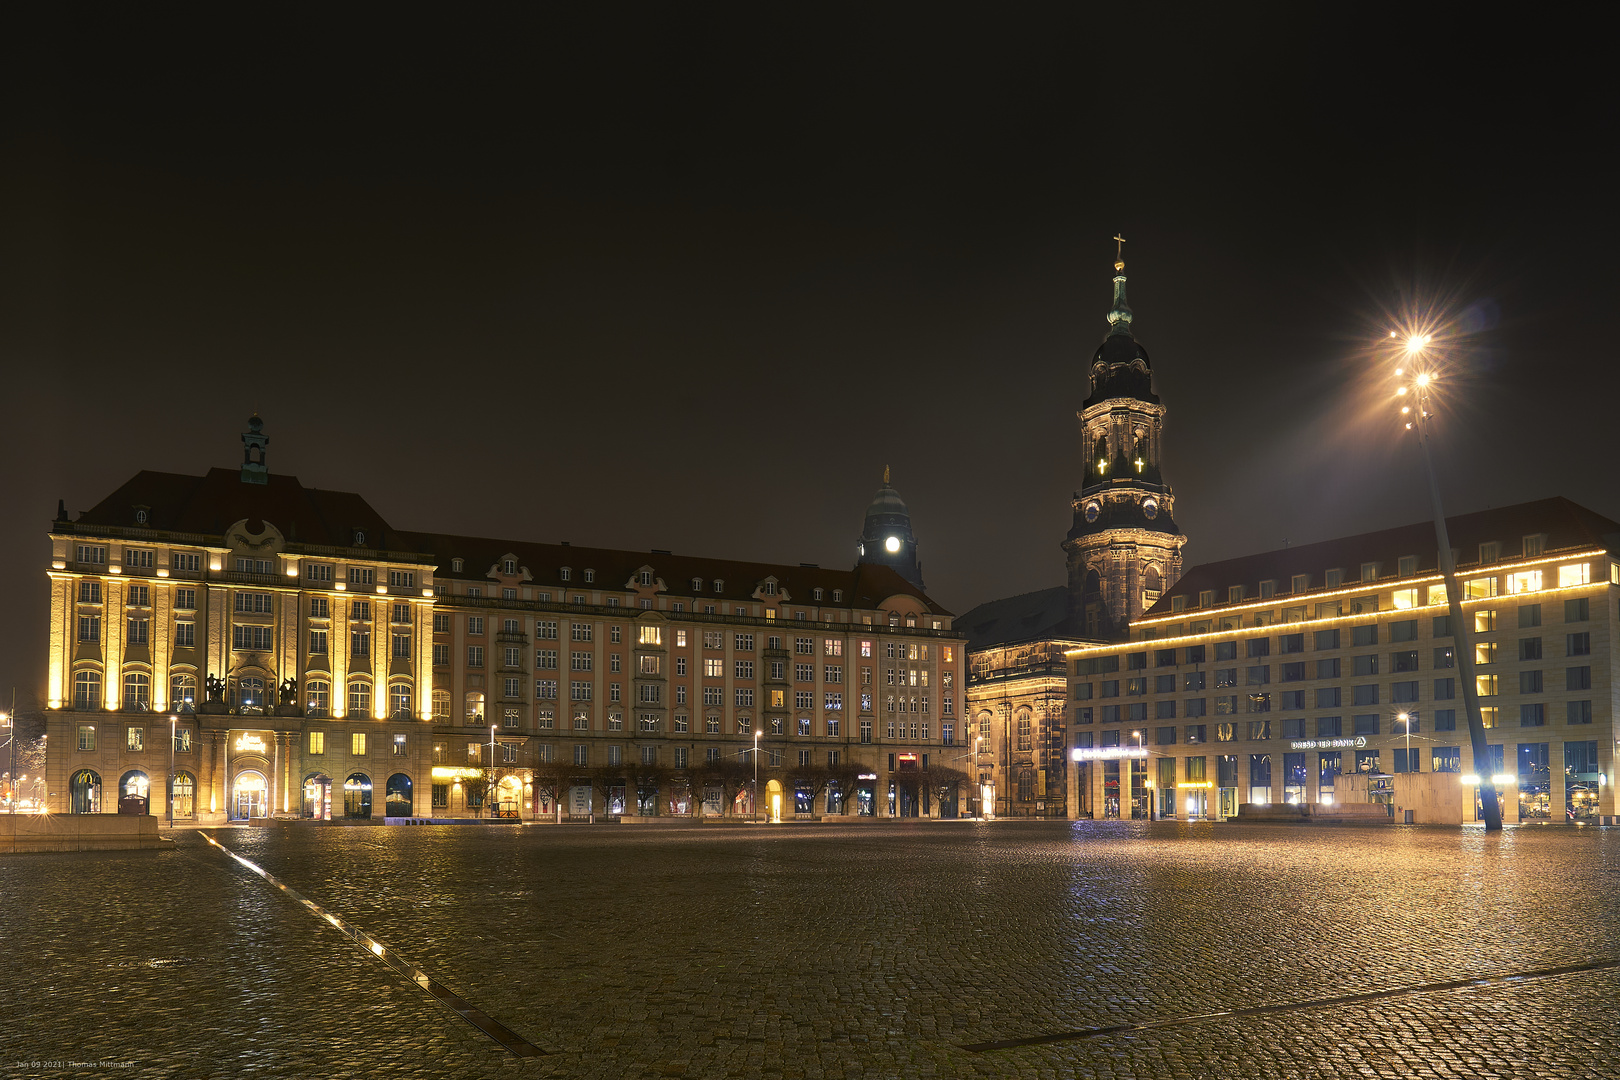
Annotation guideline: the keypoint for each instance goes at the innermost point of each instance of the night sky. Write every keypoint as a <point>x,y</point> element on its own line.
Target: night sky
<point>688,278</point>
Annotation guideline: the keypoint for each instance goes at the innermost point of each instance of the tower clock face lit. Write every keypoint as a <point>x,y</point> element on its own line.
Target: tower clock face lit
<point>1093,511</point>
<point>892,544</point>
<point>1150,508</point>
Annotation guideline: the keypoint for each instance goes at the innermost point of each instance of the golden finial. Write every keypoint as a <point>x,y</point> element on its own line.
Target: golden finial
<point>885,476</point>
<point>1119,252</point>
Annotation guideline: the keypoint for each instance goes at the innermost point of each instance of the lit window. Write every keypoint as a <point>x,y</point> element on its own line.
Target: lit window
<point>1524,581</point>
<point>1578,574</point>
<point>1406,598</point>
<point>357,744</point>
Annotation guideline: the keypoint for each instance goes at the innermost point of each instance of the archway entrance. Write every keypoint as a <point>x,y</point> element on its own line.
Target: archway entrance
<point>318,797</point>
<point>357,796</point>
<point>84,792</point>
<point>397,801</point>
<point>252,797</point>
<point>134,793</point>
<point>773,799</point>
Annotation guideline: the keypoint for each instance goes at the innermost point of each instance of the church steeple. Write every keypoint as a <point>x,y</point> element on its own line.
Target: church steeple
<point>1124,548</point>
<point>254,444</point>
<point>886,537</point>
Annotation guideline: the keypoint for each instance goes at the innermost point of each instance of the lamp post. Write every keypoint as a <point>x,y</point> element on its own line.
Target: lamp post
<point>170,799</point>
<point>756,773</point>
<point>489,794</point>
<point>1418,417</point>
<point>11,727</point>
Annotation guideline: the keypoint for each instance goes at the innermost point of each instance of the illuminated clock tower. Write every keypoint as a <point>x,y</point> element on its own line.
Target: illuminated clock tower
<point>1124,549</point>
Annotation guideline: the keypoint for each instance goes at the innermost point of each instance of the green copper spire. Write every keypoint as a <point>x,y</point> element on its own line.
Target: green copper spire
<point>1119,319</point>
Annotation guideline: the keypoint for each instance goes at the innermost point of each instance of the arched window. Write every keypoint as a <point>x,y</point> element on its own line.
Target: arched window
<point>398,796</point>
<point>87,691</point>
<point>183,692</point>
<point>1101,455</point>
<point>84,792</point>
<point>357,796</point>
<point>911,620</point>
<point>1141,454</point>
<point>475,707</point>
<point>184,795</point>
<point>1026,732</point>
<point>399,700</point>
<point>137,692</point>
<point>441,704</point>
<point>317,697</point>
<point>359,699</point>
<point>134,792</point>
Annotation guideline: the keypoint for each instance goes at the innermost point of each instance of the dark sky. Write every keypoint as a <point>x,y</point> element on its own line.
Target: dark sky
<point>688,277</point>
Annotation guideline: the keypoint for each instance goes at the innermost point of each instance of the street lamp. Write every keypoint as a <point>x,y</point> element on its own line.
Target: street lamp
<point>757,733</point>
<point>170,800</point>
<point>1417,415</point>
<point>489,794</point>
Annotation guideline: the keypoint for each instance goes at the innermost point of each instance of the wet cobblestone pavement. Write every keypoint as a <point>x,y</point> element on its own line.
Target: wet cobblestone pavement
<point>821,951</point>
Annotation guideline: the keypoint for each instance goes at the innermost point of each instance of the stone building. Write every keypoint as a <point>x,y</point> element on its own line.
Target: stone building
<point>1123,551</point>
<point>294,654</point>
<point>1328,671</point>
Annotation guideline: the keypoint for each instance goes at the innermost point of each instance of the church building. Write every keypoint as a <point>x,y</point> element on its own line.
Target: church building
<point>1123,552</point>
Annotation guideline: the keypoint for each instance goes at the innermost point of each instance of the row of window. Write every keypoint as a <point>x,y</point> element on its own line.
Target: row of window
<point>1328,698</point>
<point>1521,581</point>
<point>1533,761</point>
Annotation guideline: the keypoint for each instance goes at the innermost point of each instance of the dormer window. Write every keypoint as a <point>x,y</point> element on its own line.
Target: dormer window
<point>1268,589</point>
<point>1533,545</point>
<point>815,594</point>
<point>1234,594</point>
<point>509,567</point>
<point>838,596</point>
<point>456,566</point>
<point>1178,603</point>
<point>1333,578</point>
<point>697,585</point>
<point>770,588</point>
<point>1408,565</point>
<point>1490,551</point>
<point>1206,598</point>
<point>1302,583</point>
<point>719,586</point>
<point>646,577</point>
<point>590,575</point>
<point>1369,571</point>
<point>566,572</point>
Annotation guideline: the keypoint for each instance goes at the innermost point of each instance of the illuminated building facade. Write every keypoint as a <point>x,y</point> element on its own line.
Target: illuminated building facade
<point>313,661</point>
<point>1328,671</point>
<point>1123,551</point>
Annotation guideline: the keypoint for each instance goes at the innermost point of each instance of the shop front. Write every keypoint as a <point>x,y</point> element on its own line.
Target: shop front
<point>250,771</point>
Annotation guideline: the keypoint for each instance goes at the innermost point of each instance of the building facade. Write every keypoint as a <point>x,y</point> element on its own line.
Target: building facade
<point>1122,553</point>
<point>292,654</point>
<point>1328,671</point>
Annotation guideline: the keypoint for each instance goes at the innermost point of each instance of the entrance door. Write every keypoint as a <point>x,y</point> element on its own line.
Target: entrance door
<point>252,797</point>
<point>1196,800</point>
<point>865,801</point>
<point>318,797</point>
<point>1229,802</point>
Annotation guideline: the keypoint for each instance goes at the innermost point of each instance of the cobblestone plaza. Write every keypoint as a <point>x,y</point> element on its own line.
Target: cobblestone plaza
<point>888,949</point>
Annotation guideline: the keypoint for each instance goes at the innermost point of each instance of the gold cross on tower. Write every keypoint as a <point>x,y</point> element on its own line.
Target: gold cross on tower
<point>1119,253</point>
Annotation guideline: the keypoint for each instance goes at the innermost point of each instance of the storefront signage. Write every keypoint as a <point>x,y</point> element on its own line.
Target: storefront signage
<point>250,744</point>
<point>1196,784</point>
<point>1329,744</point>
<point>1108,753</point>
<point>448,772</point>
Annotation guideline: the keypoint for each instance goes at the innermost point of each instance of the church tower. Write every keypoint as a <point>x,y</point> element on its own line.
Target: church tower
<point>1124,549</point>
<point>886,538</point>
<point>255,443</point>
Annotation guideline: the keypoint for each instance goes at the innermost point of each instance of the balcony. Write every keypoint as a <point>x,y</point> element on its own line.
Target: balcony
<point>518,638</point>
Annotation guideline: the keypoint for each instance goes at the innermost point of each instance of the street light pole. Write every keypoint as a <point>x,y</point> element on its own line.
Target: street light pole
<point>172,722</point>
<point>1490,806</point>
<point>489,794</point>
<point>756,773</point>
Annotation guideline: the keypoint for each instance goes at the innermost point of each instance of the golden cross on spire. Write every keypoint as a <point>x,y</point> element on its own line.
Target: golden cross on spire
<point>1120,250</point>
<point>885,475</point>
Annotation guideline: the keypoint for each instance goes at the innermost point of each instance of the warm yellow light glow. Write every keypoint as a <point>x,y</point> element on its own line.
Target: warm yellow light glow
<point>1503,778</point>
<point>163,573</point>
<point>1470,779</point>
<point>1400,392</point>
<point>1425,379</point>
<point>1405,409</point>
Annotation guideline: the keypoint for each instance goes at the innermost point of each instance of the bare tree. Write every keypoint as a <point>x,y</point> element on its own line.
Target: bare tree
<point>945,780</point>
<point>552,779</point>
<point>731,774</point>
<point>843,779</point>
<point>645,782</point>
<point>812,778</point>
<point>605,778</point>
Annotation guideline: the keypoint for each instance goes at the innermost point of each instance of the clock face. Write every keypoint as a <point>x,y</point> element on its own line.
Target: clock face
<point>1150,508</point>
<point>892,544</point>
<point>1093,511</point>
